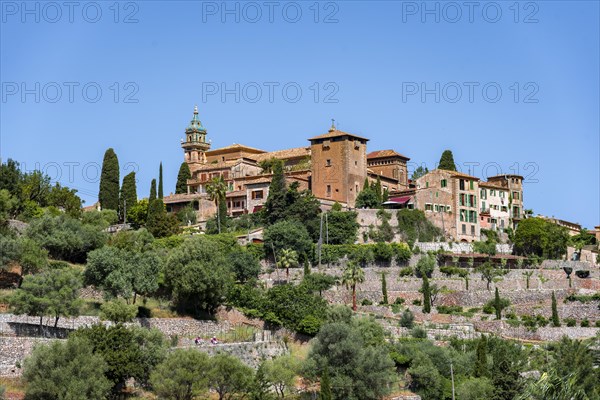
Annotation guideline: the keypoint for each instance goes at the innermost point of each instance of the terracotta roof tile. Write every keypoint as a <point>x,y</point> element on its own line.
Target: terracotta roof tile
<point>385,153</point>
<point>336,133</point>
<point>492,185</point>
<point>296,152</point>
<point>234,147</point>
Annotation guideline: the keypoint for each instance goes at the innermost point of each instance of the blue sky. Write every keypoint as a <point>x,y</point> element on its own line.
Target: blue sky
<point>378,67</point>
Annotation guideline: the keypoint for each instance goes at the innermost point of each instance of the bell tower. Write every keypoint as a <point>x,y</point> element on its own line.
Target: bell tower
<point>195,144</point>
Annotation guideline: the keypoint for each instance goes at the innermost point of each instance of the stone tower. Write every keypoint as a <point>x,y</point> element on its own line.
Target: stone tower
<point>339,165</point>
<point>195,145</point>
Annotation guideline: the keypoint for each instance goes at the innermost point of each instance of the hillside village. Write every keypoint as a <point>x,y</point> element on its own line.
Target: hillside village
<point>322,271</point>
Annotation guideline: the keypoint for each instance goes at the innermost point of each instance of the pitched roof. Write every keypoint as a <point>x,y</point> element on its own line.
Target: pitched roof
<point>234,147</point>
<point>505,176</point>
<point>336,133</point>
<point>385,154</point>
<point>296,152</point>
<point>461,175</point>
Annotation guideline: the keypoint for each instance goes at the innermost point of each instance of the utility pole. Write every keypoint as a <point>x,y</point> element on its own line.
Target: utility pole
<point>125,211</point>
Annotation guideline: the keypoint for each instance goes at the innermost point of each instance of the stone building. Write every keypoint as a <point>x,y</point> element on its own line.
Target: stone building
<point>334,167</point>
<point>494,212</point>
<point>449,200</point>
<point>514,185</point>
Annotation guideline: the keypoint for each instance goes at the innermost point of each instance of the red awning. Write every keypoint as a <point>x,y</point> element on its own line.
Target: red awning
<point>399,200</point>
<point>257,208</point>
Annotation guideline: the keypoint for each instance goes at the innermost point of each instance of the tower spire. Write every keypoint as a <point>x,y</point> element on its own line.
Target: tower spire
<point>332,125</point>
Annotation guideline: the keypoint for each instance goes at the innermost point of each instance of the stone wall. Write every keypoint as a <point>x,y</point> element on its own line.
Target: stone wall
<point>502,328</point>
<point>12,352</point>
<point>250,353</point>
<point>20,325</point>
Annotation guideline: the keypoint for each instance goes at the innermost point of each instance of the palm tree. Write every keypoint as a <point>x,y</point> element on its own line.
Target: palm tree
<point>288,258</point>
<point>353,275</point>
<point>216,189</point>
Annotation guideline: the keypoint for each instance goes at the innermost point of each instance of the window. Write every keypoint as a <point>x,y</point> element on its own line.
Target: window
<point>472,230</point>
<point>501,194</point>
<point>482,205</point>
<point>516,195</point>
<point>328,163</point>
<point>395,174</point>
<point>257,194</point>
<point>483,194</point>
<point>463,215</point>
<point>461,184</point>
<point>504,208</point>
<point>436,208</point>
<point>328,190</point>
<point>436,194</point>
<point>444,183</point>
<point>464,229</point>
<point>428,207</point>
<point>492,192</point>
<point>471,185</point>
<point>448,209</point>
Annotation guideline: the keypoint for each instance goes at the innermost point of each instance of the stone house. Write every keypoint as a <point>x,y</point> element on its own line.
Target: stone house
<point>449,200</point>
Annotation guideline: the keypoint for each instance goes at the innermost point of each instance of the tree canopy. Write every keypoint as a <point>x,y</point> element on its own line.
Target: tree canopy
<point>447,161</point>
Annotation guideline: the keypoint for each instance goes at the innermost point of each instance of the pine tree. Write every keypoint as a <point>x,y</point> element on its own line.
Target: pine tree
<point>447,161</point>
<point>555,319</point>
<point>275,206</point>
<point>108,195</point>
<point>498,305</point>
<point>128,195</point>
<point>160,182</point>
<point>182,177</point>
<point>384,288</point>
<point>480,370</point>
<point>325,386</point>
<point>426,295</point>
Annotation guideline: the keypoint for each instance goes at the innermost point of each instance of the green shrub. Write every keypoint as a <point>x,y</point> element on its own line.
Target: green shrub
<point>418,333</point>
<point>407,319</point>
<point>395,308</point>
<point>585,323</point>
<point>570,322</point>
<point>417,302</point>
<point>449,271</point>
<point>366,302</point>
<point>597,324</point>
<point>449,309</point>
<point>583,298</point>
<point>406,271</point>
<point>399,301</point>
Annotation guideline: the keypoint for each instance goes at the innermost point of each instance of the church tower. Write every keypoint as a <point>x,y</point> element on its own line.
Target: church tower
<point>195,144</point>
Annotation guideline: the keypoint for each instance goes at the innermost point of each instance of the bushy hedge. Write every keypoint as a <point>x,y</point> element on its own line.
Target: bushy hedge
<point>365,253</point>
<point>449,271</point>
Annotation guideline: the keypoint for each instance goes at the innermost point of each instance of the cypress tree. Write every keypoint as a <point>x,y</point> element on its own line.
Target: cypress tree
<point>377,189</point>
<point>447,161</point>
<point>128,195</point>
<point>555,319</point>
<point>325,393</point>
<point>497,305</point>
<point>384,288</point>
<point>366,184</point>
<point>276,204</point>
<point>160,182</point>
<point>306,268</point>
<point>108,195</point>
<point>480,369</point>
<point>426,295</point>
<point>152,191</point>
<point>182,177</point>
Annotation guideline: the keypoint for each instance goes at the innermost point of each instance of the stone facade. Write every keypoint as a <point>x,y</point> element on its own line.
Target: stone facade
<point>338,165</point>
